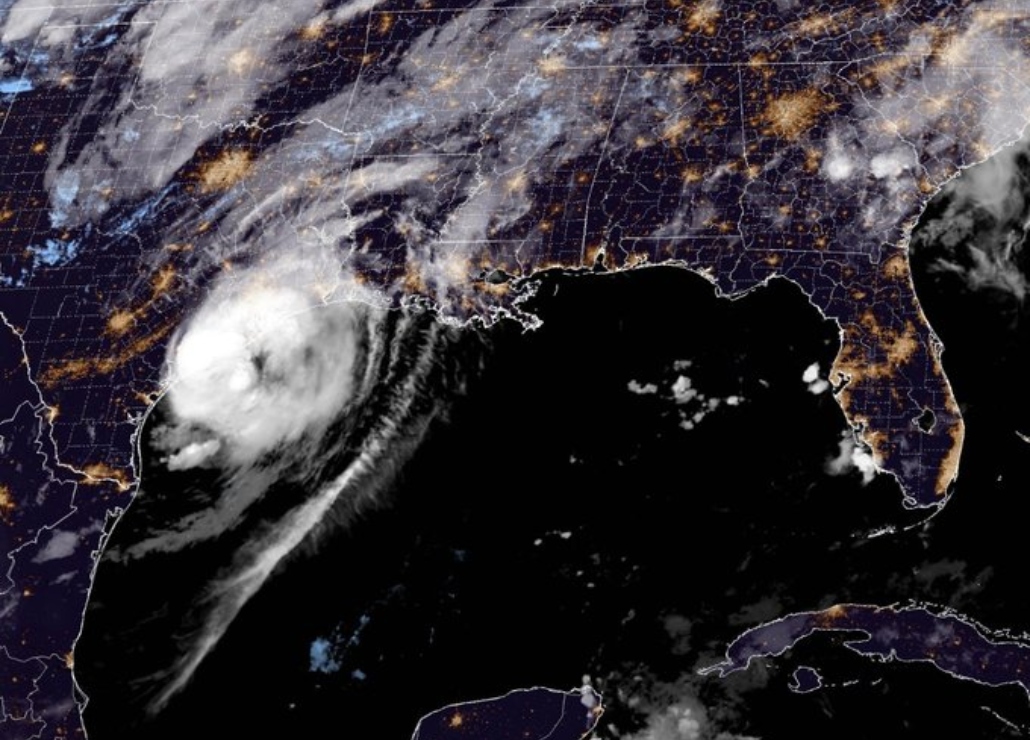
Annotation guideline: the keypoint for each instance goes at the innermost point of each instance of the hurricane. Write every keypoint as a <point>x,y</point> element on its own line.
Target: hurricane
<point>291,398</point>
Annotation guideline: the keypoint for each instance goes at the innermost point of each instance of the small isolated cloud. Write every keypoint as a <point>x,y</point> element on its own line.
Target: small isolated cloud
<point>839,168</point>
<point>816,383</point>
<point>852,456</point>
<point>683,390</point>
<point>839,162</point>
<point>61,544</point>
<point>642,389</point>
<point>322,660</point>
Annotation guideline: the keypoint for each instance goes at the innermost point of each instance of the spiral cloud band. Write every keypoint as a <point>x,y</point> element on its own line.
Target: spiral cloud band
<point>261,367</point>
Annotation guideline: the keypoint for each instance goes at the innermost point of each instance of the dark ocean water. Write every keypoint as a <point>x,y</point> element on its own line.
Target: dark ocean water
<point>563,522</point>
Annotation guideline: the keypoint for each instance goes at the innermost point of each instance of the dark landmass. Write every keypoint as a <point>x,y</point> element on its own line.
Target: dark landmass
<point>524,714</point>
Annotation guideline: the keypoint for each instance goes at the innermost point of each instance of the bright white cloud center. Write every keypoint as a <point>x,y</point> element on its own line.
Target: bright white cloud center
<point>260,366</point>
